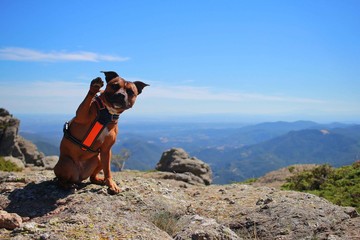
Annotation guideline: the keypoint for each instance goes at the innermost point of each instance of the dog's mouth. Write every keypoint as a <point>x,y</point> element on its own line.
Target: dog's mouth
<point>118,105</point>
<point>118,101</point>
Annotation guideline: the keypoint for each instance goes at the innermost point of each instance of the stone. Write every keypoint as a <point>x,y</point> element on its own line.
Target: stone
<point>187,177</point>
<point>30,152</point>
<point>351,212</point>
<point>9,220</point>
<point>195,212</point>
<point>50,162</point>
<point>198,228</point>
<point>9,128</point>
<point>176,160</point>
<point>12,144</point>
<point>4,112</point>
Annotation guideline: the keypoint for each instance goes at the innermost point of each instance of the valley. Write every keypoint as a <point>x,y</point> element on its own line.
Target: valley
<point>235,151</point>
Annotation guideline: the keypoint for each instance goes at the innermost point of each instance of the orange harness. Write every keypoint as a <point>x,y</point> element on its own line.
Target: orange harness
<point>98,125</point>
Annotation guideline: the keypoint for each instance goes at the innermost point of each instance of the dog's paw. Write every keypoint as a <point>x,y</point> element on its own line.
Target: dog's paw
<point>113,191</point>
<point>97,180</point>
<point>113,187</point>
<point>96,84</point>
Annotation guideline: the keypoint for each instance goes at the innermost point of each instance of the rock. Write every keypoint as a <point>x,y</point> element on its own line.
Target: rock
<point>9,220</point>
<point>155,209</point>
<point>50,162</point>
<point>11,144</point>
<point>9,128</point>
<point>187,177</point>
<point>278,177</point>
<point>176,160</point>
<point>4,112</point>
<point>30,152</point>
<point>351,212</point>
<point>198,228</point>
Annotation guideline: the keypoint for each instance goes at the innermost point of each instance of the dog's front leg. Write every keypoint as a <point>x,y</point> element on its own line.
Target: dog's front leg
<point>83,111</point>
<point>105,161</point>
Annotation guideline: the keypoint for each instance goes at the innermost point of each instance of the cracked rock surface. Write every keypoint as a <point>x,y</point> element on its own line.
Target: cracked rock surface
<point>150,207</point>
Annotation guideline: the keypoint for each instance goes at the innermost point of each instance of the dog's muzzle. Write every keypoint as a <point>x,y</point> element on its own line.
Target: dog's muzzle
<point>117,100</point>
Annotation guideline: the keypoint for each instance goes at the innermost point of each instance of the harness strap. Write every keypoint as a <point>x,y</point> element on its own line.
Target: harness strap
<point>92,135</point>
<point>68,135</point>
<point>104,117</point>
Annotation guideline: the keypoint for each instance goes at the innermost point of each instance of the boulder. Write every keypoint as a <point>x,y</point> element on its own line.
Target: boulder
<point>9,128</point>
<point>12,144</point>
<point>30,152</point>
<point>4,112</point>
<point>9,220</point>
<point>177,161</point>
<point>50,162</point>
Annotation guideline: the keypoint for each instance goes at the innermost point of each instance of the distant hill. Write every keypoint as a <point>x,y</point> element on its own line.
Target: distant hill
<point>264,131</point>
<point>310,146</point>
<point>235,152</point>
<point>46,143</point>
<point>143,154</point>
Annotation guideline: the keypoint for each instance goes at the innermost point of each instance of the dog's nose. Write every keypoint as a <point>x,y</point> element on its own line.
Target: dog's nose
<point>119,96</point>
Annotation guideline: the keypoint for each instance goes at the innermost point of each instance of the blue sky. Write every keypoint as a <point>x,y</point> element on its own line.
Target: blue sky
<point>271,60</point>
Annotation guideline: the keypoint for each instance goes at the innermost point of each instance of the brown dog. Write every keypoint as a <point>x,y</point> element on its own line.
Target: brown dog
<point>85,149</point>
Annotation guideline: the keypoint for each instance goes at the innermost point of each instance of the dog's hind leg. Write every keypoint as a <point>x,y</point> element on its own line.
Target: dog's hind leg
<point>94,178</point>
<point>67,172</point>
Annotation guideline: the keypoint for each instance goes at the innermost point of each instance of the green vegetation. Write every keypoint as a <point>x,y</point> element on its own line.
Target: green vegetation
<point>8,166</point>
<point>291,169</point>
<point>340,186</point>
<point>166,221</point>
<point>248,181</point>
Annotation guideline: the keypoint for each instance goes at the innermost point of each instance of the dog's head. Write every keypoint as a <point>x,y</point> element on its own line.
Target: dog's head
<point>120,94</point>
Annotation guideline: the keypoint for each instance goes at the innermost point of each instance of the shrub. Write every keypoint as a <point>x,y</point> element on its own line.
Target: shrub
<point>338,185</point>
<point>249,181</point>
<point>291,169</point>
<point>8,166</point>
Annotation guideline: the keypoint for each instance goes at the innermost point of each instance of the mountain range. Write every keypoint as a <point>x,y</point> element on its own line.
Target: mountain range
<point>235,152</point>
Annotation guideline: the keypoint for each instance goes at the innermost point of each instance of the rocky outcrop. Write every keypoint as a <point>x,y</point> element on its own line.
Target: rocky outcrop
<point>278,177</point>
<point>184,168</point>
<point>149,208</point>
<point>11,144</point>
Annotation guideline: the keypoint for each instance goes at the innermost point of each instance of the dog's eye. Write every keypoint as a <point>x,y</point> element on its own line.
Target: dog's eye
<point>129,92</point>
<point>115,87</point>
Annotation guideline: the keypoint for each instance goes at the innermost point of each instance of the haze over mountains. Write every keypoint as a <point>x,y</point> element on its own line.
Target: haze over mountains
<point>234,151</point>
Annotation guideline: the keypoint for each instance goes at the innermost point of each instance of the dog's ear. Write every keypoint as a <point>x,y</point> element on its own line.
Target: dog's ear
<point>140,85</point>
<point>109,75</point>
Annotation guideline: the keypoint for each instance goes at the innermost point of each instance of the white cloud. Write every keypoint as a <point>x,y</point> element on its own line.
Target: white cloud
<point>25,54</point>
<point>209,94</point>
<point>43,97</point>
<point>44,89</point>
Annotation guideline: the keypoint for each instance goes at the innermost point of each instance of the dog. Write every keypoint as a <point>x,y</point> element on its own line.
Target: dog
<point>85,148</point>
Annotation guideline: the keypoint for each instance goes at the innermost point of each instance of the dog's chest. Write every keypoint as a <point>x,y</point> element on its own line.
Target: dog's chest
<point>103,136</point>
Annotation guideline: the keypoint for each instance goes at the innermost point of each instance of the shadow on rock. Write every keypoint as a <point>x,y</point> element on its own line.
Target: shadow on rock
<point>36,199</point>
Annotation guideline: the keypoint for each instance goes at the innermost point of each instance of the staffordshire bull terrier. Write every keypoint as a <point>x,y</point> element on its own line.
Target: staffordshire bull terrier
<point>85,149</point>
